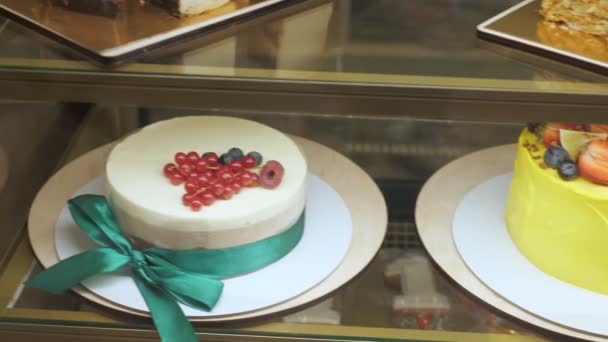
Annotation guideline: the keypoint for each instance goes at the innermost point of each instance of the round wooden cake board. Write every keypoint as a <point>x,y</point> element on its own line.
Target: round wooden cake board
<point>361,195</point>
<point>435,210</point>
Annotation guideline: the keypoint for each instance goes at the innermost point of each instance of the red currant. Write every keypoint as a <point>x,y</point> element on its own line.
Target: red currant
<point>249,162</point>
<point>217,190</point>
<point>245,178</point>
<point>192,157</point>
<point>185,169</point>
<point>236,186</point>
<point>180,158</point>
<point>208,173</point>
<point>212,159</point>
<point>169,169</point>
<point>228,192</point>
<point>196,204</point>
<point>207,198</point>
<point>187,198</point>
<point>255,180</point>
<point>201,165</point>
<point>224,173</point>
<point>202,181</point>
<point>176,179</point>
<point>236,166</point>
<point>191,187</point>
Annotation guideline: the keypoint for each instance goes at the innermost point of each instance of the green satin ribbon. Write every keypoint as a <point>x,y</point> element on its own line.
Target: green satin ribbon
<point>164,277</point>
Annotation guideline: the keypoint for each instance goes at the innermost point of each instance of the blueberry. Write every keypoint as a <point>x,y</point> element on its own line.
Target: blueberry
<point>226,158</point>
<point>236,153</point>
<point>554,156</point>
<point>257,156</point>
<point>568,170</point>
<point>532,126</point>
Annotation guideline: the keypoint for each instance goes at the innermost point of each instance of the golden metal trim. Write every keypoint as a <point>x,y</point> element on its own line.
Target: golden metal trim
<point>66,69</point>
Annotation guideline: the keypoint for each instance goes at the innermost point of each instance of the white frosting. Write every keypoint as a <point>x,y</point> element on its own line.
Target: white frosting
<point>145,201</point>
<point>194,7</point>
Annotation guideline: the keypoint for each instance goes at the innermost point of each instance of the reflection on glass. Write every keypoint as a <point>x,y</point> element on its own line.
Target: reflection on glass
<point>4,167</point>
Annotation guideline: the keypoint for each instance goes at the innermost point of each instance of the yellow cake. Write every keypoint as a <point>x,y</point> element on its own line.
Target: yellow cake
<point>560,226</point>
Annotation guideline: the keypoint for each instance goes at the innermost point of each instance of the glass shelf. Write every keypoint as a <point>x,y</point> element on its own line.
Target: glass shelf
<point>399,154</point>
<point>387,55</point>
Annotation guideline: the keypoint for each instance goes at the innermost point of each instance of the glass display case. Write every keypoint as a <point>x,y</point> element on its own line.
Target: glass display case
<point>399,87</point>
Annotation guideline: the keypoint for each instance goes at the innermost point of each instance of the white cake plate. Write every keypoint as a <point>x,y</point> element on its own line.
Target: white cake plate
<point>327,235</point>
<point>353,191</point>
<point>459,215</point>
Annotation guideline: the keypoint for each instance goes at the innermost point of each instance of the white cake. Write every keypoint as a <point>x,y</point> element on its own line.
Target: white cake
<point>149,208</point>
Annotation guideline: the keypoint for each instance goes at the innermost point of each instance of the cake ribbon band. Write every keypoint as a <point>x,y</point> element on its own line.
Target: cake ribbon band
<point>164,277</point>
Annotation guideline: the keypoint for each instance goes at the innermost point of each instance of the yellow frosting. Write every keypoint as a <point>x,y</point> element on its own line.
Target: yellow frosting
<point>560,226</point>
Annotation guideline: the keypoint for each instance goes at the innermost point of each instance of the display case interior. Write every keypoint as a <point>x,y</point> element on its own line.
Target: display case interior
<point>400,289</point>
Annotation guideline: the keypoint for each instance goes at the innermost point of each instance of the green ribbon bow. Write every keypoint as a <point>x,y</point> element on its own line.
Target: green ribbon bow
<point>164,277</point>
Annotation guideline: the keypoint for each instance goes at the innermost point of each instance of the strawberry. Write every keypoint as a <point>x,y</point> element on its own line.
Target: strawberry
<point>597,128</point>
<point>550,132</point>
<point>593,162</point>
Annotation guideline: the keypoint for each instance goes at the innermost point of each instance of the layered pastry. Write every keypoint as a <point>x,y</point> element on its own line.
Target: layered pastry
<point>563,38</point>
<point>557,210</point>
<point>206,182</point>
<point>589,16</point>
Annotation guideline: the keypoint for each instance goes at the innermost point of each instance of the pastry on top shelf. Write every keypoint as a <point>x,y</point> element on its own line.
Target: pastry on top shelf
<point>589,16</point>
<point>564,38</point>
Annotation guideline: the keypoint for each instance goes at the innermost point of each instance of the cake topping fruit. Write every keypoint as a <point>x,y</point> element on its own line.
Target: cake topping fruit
<point>575,141</point>
<point>256,156</point>
<point>554,156</point>
<point>272,174</point>
<point>212,159</point>
<point>249,162</point>
<point>593,161</point>
<point>169,169</point>
<point>550,132</point>
<point>192,157</point>
<point>207,177</point>
<point>177,178</point>
<point>533,126</point>
<point>236,153</point>
<point>568,170</point>
<point>180,158</point>
<point>226,158</point>
<point>597,128</point>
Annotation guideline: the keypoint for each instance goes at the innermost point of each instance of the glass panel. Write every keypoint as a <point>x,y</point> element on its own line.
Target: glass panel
<point>33,138</point>
<point>389,41</point>
<point>400,155</point>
